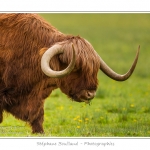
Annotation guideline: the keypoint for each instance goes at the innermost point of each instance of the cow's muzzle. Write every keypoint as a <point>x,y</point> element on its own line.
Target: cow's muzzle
<point>84,96</point>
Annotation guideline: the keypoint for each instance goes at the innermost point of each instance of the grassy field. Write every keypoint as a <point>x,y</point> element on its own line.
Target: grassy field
<point>120,109</point>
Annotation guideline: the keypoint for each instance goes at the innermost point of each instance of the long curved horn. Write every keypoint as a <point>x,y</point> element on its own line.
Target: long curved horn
<point>110,73</point>
<point>54,50</point>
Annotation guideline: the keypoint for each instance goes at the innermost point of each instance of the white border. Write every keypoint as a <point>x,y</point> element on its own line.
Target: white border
<point>78,6</point>
<point>75,143</point>
<point>74,5</point>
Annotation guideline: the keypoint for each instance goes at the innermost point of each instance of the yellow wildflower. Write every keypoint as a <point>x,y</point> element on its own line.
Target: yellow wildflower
<point>101,118</point>
<point>75,118</point>
<point>123,108</point>
<point>70,107</point>
<point>86,119</point>
<point>80,120</point>
<point>78,127</point>
<point>60,107</point>
<point>132,105</point>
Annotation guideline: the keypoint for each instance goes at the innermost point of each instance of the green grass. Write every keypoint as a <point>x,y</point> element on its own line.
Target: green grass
<point>119,108</point>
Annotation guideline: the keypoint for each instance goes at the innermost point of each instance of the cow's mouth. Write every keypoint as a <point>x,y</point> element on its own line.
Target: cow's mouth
<point>83,96</point>
<point>87,101</point>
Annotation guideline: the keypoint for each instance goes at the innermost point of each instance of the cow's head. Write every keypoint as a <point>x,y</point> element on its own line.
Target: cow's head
<point>74,64</point>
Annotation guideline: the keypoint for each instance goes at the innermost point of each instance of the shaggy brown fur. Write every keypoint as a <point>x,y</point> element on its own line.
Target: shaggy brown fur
<point>23,86</point>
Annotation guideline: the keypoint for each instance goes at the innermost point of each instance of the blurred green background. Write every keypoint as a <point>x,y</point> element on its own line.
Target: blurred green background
<point>114,36</point>
<point>119,108</point>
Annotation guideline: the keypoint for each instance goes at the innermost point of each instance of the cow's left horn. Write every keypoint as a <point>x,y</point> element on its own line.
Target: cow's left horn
<point>54,50</point>
<point>110,73</point>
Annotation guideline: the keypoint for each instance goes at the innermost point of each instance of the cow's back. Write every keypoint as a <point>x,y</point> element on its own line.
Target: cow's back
<point>21,38</point>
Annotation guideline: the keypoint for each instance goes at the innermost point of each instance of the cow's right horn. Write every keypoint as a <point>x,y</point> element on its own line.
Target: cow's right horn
<point>54,50</point>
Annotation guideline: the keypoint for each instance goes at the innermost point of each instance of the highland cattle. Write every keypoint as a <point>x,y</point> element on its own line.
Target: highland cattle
<point>36,58</point>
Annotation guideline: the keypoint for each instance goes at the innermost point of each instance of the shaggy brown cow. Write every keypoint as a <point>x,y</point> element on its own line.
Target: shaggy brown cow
<point>35,58</point>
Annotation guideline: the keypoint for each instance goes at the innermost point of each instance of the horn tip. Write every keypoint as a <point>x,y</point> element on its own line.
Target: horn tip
<point>139,47</point>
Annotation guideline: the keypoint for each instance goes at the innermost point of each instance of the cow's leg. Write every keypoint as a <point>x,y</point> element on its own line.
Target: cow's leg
<point>1,116</point>
<point>37,123</point>
<point>1,113</point>
<point>31,108</point>
<point>36,115</point>
<point>31,111</point>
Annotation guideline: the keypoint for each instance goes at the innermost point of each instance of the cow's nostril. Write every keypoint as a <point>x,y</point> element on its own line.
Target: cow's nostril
<point>90,94</point>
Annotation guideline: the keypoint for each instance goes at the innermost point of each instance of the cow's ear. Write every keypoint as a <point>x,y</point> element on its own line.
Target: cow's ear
<point>42,51</point>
